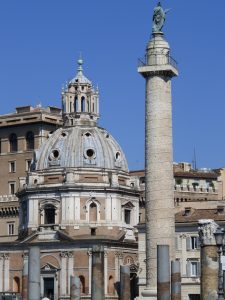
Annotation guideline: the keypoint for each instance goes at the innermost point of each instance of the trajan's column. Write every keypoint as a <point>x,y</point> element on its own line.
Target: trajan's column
<point>158,69</point>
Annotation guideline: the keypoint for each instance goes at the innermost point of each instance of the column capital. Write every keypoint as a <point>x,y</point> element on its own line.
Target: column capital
<point>206,230</point>
<point>63,254</point>
<point>119,255</point>
<point>6,256</point>
<point>70,254</point>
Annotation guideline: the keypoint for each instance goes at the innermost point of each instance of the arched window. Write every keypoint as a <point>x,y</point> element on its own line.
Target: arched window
<point>82,104</point>
<point>93,212</point>
<point>49,214</point>
<point>30,140</point>
<point>82,284</point>
<point>16,285</point>
<point>76,104</point>
<point>111,289</point>
<point>13,144</point>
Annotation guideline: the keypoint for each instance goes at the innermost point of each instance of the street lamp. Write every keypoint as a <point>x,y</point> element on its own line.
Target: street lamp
<point>219,236</point>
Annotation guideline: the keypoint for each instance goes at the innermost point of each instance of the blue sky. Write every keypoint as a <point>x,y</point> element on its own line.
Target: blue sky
<point>41,41</point>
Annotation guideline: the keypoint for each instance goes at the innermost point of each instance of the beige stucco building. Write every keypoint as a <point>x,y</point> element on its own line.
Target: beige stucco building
<point>21,133</point>
<point>197,195</point>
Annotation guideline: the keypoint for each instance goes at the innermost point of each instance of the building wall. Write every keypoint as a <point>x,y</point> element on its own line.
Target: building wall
<point>61,263</point>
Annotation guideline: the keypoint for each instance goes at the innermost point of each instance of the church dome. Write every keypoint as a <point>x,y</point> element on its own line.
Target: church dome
<point>80,147</point>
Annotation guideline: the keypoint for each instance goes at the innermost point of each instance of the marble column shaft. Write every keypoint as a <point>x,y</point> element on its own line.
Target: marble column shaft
<point>124,283</point>
<point>97,280</point>
<point>74,288</point>
<point>34,291</point>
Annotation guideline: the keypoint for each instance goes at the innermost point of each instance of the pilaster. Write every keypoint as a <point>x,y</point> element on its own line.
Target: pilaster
<point>63,279</point>
<point>89,253</point>
<point>6,272</point>
<point>1,272</point>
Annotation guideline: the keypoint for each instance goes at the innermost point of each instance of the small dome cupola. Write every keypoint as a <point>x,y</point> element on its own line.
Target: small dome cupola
<point>80,101</point>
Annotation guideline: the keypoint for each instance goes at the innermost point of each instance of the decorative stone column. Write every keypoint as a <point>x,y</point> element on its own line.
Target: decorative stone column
<point>118,263</point>
<point>74,288</point>
<point>209,259</point>
<point>106,272</point>
<point>158,70</point>
<point>70,266</point>
<point>6,272</point>
<point>34,290</point>
<point>89,270</point>
<point>25,278</point>
<point>124,283</point>
<point>163,272</point>
<point>1,273</point>
<point>175,280</point>
<point>97,284</point>
<point>63,273</point>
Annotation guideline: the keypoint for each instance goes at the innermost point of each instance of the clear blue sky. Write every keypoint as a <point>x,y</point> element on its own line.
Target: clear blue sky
<point>41,41</point>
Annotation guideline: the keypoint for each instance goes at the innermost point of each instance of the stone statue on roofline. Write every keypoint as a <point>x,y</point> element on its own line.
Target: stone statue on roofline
<point>159,17</point>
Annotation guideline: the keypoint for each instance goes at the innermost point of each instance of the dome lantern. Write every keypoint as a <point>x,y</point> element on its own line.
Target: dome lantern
<point>80,101</point>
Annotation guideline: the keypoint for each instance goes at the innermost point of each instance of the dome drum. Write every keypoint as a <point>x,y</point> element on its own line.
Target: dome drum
<point>78,178</point>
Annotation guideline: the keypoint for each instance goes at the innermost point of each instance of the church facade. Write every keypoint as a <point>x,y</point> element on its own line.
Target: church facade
<point>78,192</point>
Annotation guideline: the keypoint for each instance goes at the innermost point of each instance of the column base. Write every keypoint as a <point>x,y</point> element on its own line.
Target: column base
<point>151,293</point>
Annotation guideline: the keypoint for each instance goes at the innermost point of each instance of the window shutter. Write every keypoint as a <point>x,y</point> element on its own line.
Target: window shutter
<point>177,242</point>
<point>188,243</point>
<point>188,266</point>
<point>198,269</point>
<point>198,243</point>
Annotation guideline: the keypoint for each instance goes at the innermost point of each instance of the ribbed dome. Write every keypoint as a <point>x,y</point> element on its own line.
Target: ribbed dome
<point>81,147</point>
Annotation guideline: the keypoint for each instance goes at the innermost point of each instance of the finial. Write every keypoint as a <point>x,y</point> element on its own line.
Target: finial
<point>80,64</point>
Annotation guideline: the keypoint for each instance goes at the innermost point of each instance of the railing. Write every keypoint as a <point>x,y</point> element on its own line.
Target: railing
<point>7,198</point>
<point>157,60</point>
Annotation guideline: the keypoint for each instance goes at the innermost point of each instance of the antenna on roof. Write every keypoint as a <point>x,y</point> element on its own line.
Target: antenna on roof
<point>194,161</point>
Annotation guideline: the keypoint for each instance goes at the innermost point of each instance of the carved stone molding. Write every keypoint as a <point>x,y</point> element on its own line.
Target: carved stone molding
<point>119,255</point>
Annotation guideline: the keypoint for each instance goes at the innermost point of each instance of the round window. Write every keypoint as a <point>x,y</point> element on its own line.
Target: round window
<point>64,134</point>
<point>90,153</point>
<point>117,155</point>
<point>54,155</point>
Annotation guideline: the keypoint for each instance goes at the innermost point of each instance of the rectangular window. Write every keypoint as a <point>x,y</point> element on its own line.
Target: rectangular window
<point>192,243</point>
<point>12,188</point>
<point>194,268</point>
<point>12,166</point>
<point>28,164</point>
<point>127,216</point>
<point>194,296</point>
<point>11,228</point>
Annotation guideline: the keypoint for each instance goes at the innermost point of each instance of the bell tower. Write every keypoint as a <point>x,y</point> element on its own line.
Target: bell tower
<point>80,101</point>
<point>158,69</point>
